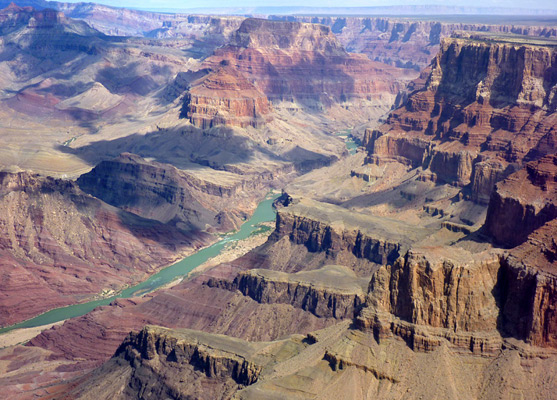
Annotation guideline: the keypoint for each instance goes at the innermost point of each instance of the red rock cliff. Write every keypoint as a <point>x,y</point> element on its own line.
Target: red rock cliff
<point>488,106</point>
<point>284,61</point>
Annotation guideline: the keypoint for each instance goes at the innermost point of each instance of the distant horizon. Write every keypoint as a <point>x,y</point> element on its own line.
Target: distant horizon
<point>154,5</point>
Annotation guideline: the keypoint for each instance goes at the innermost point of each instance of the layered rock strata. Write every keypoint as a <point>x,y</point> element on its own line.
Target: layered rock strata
<point>284,61</point>
<point>523,202</point>
<point>328,292</point>
<point>225,97</point>
<point>432,296</point>
<point>528,287</point>
<point>173,196</point>
<point>159,362</point>
<point>214,355</point>
<point>426,298</point>
<point>330,229</point>
<point>295,61</point>
<point>407,42</point>
<point>479,118</point>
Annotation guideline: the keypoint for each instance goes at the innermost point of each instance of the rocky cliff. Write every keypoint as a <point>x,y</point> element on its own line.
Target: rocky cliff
<point>333,230</point>
<point>295,61</point>
<point>428,296</point>
<point>215,356</point>
<point>403,42</point>
<point>61,246</point>
<point>284,61</point>
<point>225,97</point>
<point>328,292</point>
<point>410,42</point>
<point>434,295</point>
<point>528,287</point>
<point>159,362</point>
<point>475,322</point>
<point>479,116</point>
<point>523,202</point>
<point>162,192</point>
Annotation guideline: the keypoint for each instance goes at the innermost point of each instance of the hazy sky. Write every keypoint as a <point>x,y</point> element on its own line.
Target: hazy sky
<point>183,4</point>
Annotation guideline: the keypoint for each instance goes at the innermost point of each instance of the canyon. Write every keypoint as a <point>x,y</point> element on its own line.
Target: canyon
<point>422,266</point>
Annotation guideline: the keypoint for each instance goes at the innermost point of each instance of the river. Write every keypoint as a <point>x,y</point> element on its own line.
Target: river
<point>351,144</point>
<point>263,213</point>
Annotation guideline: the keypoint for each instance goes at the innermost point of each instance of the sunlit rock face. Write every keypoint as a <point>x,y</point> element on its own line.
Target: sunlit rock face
<point>487,108</point>
<point>270,62</point>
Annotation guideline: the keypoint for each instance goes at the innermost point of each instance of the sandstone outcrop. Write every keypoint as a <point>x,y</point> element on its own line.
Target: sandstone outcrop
<point>426,297</point>
<point>159,362</point>
<point>328,292</point>
<point>409,42</point>
<point>523,202</point>
<point>479,118</point>
<point>326,364</point>
<point>295,61</point>
<point>438,292</point>
<point>225,97</point>
<point>418,303</point>
<point>402,42</point>
<point>214,355</point>
<point>271,61</point>
<point>529,288</point>
<point>330,229</point>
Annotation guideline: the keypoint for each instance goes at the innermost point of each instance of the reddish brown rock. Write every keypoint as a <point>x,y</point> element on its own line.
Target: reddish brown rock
<point>284,61</point>
<point>523,202</point>
<point>225,97</point>
<point>61,246</point>
<point>434,294</point>
<point>407,42</point>
<point>528,284</point>
<point>295,61</point>
<point>479,116</point>
<point>330,292</point>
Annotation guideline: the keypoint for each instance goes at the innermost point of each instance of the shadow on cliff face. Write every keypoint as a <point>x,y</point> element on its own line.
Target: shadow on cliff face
<point>462,85</point>
<point>514,294</point>
<point>219,148</point>
<point>131,79</point>
<point>41,50</point>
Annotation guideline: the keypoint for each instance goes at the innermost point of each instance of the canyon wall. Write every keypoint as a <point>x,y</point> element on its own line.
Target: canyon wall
<point>271,62</point>
<point>488,107</point>
<point>409,42</point>
<point>328,292</point>
<point>61,246</point>
<point>523,202</point>
<point>472,304</point>
<point>225,97</point>
<point>333,230</point>
<point>163,363</point>
<point>162,192</point>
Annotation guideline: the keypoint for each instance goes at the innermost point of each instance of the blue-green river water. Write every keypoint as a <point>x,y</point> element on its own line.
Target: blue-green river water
<point>263,213</point>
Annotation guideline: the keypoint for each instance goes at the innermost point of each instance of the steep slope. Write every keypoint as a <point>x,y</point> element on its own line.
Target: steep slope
<point>61,246</point>
<point>225,97</point>
<point>411,42</point>
<point>487,108</point>
<point>383,285</point>
<point>287,62</point>
<point>187,200</point>
<point>523,202</point>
